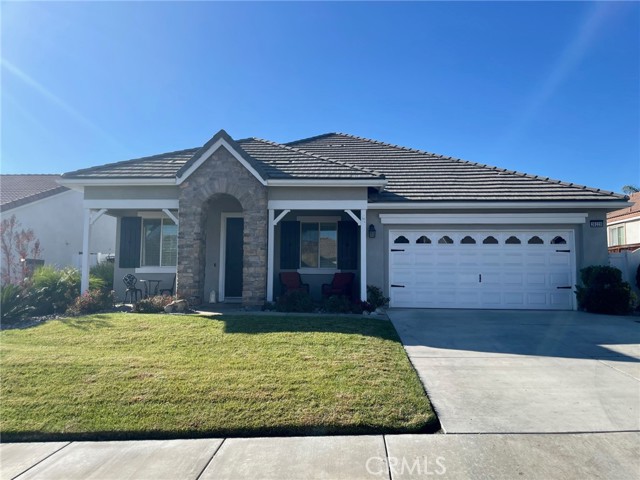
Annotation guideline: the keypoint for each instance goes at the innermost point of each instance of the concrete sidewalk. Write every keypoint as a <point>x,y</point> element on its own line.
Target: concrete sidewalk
<point>391,457</point>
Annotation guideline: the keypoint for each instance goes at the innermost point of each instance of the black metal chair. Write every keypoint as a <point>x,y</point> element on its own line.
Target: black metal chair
<point>130,282</point>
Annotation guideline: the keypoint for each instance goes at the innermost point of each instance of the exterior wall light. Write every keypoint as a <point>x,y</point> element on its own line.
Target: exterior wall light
<point>372,231</point>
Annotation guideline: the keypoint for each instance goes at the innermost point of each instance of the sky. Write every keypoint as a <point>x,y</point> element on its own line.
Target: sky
<point>549,88</point>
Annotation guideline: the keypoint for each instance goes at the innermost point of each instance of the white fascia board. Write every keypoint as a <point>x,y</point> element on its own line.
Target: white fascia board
<point>626,220</point>
<point>325,183</point>
<point>609,205</point>
<point>482,219</point>
<point>210,151</point>
<point>114,182</point>
<point>145,204</point>
<point>317,204</point>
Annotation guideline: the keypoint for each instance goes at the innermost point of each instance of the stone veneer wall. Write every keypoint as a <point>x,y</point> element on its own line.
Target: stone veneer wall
<point>222,174</point>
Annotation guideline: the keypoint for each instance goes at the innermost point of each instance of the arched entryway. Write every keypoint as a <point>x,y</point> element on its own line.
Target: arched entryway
<point>222,185</point>
<point>224,246</point>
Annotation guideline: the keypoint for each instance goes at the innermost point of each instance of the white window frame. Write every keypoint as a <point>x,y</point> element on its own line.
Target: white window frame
<point>614,236</point>
<point>155,268</point>
<point>317,220</point>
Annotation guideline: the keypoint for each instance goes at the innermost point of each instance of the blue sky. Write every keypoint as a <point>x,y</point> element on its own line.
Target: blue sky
<point>546,88</point>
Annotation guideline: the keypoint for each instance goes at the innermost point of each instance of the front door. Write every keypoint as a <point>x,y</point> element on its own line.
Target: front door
<point>233,257</point>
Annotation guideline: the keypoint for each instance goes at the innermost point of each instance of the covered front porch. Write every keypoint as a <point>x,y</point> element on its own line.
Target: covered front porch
<point>146,243</point>
<point>317,239</point>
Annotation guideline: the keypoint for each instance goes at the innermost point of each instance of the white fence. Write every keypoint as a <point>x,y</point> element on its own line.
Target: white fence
<point>627,262</point>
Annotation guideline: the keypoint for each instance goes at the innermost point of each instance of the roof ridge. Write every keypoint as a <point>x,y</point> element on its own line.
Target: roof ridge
<point>315,137</point>
<point>123,162</point>
<point>320,157</point>
<point>455,159</point>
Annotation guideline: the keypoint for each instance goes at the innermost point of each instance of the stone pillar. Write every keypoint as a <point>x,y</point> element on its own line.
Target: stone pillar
<point>222,173</point>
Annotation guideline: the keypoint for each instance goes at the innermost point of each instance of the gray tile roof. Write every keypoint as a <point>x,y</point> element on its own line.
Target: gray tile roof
<point>412,175</point>
<point>415,175</point>
<point>163,165</point>
<point>17,190</point>
<point>282,162</point>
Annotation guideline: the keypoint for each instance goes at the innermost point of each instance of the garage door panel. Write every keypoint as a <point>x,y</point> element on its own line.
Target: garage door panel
<point>512,279</point>
<point>513,299</point>
<point>535,259</point>
<point>537,299</point>
<point>561,299</point>
<point>559,279</point>
<point>560,259</point>
<point>494,274</point>
<point>536,280</point>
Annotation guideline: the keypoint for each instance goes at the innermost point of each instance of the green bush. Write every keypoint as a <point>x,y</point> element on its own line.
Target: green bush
<point>337,304</point>
<point>375,297</point>
<point>91,301</point>
<point>104,271</point>
<point>152,304</point>
<point>296,301</point>
<point>52,291</point>
<point>13,304</point>
<point>603,291</point>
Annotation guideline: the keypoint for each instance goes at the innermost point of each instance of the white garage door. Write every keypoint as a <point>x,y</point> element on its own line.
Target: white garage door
<point>482,269</point>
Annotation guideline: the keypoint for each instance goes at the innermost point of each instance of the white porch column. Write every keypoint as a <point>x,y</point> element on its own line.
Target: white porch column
<point>270,249</point>
<point>86,235</point>
<point>363,254</point>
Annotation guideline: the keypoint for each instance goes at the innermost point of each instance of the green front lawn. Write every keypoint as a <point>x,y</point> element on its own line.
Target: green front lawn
<point>159,376</point>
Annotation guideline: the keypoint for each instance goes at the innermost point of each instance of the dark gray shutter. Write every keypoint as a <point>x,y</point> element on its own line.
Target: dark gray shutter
<point>130,234</point>
<point>347,245</point>
<point>289,245</point>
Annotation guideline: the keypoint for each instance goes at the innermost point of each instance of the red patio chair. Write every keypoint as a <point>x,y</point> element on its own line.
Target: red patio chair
<point>342,284</point>
<point>292,282</point>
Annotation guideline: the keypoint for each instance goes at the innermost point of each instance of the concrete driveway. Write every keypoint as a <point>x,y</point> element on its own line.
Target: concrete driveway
<point>526,371</point>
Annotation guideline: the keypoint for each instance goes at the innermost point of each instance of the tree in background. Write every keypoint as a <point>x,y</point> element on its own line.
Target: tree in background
<point>629,189</point>
<point>16,245</point>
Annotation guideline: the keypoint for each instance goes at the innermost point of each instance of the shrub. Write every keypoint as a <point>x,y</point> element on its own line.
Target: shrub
<point>91,301</point>
<point>13,304</point>
<point>603,291</point>
<point>296,301</point>
<point>152,304</point>
<point>337,304</point>
<point>104,271</point>
<point>375,297</point>
<point>52,291</point>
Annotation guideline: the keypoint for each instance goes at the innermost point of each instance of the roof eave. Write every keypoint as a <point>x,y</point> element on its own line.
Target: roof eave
<point>309,182</point>
<point>608,205</point>
<point>78,183</point>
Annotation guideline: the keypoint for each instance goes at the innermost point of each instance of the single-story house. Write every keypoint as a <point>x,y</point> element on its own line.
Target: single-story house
<point>430,230</point>
<point>623,226</point>
<point>52,211</point>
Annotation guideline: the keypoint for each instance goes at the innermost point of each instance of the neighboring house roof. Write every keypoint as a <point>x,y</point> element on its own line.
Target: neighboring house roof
<point>627,213</point>
<point>416,175</point>
<point>410,175</point>
<point>17,190</point>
